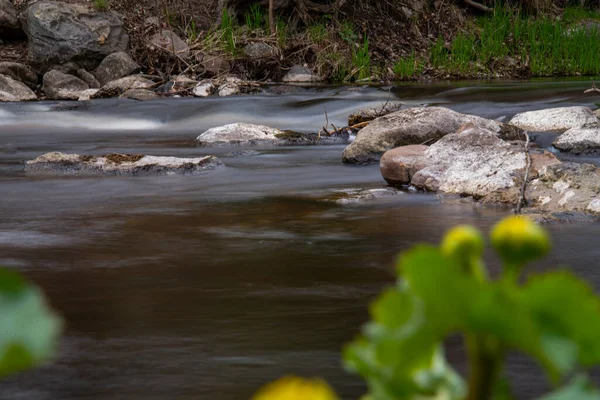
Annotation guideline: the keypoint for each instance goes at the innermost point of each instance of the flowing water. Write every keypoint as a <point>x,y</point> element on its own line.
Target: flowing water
<point>205,287</point>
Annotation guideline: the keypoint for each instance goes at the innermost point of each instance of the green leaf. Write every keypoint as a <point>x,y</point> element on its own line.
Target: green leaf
<point>566,311</point>
<point>29,329</point>
<point>579,389</point>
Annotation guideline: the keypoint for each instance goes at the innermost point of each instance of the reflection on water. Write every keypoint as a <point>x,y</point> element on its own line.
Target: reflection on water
<point>205,287</point>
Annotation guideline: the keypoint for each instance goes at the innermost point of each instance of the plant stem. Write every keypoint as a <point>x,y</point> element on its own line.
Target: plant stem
<point>485,364</point>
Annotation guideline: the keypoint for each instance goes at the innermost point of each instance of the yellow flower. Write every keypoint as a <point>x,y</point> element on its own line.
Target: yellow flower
<point>295,388</point>
<point>465,244</point>
<point>463,241</point>
<point>518,240</point>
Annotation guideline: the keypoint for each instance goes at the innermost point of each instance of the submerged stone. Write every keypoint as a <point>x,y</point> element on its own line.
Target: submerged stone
<point>119,164</point>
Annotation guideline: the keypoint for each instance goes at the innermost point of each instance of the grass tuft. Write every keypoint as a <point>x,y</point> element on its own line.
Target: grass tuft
<point>101,5</point>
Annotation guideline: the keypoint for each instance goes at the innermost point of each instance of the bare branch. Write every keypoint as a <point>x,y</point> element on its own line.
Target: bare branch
<point>593,89</point>
<point>479,6</point>
<point>522,199</point>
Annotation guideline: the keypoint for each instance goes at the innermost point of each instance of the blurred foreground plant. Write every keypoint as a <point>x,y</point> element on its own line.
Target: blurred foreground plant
<point>553,317</point>
<point>29,330</point>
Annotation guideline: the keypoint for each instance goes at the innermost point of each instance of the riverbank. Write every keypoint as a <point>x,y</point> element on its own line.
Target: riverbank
<point>200,48</point>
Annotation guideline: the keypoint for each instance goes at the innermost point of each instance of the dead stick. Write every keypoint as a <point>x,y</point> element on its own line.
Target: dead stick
<point>522,200</point>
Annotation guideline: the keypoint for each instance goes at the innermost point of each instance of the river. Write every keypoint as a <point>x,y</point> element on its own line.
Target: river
<point>206,287</point>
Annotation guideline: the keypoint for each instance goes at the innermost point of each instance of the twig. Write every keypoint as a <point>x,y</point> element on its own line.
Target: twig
<point>479,6</point>
<point>522,199</point>
<point>381,113</point>
<point>593,89</point>
<point>360,125</point>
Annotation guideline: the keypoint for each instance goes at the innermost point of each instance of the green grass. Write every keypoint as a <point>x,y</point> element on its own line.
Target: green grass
<point>576,14</point>
<point>317,32</point>
<point>192,32</point>
<point>347,33</point>
<point>362,60</point>
<point>408,67</point>
<point>100,5</point>
<point>282,32</point>
<point>550,46</point>
<point>255,18</point>
<point>228,36</point>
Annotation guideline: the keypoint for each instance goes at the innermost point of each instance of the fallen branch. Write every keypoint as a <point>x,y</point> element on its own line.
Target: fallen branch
<point>593,89</point>
<point>522,199</point>
<point>360,125</point>
<point>479,6</point>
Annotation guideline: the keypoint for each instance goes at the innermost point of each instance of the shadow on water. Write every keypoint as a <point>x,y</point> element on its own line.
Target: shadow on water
<point>206,287</point>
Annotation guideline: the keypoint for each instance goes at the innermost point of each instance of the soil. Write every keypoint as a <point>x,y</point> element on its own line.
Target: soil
<point>391,34</point>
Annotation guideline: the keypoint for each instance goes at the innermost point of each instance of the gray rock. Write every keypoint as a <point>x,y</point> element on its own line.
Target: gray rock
<point>566,187</point>
<point>116,66</point>
<point>13,90</point>
<point>580,140</point>
<point>140,94</point>
<point>59,86</point>
<point>119,164</point>
<point>248,134</point>
<point>239,134</point>
<point>300,74</point>
<point>87,94</point>
<point>169,41</point>
<point>120,86</point>
<point>228,89</point>
<point>61,32</point>
<point>259,50</point>
<point>182,82</point>
<point>204,89</point>
<point>9,17</point>
<point>474,162</point>
<point>213,64</point>
<point>554,119</point>
<point>417,125</point>
<point>88,78</point>
<point>19,72</point>
<point>369,114</point>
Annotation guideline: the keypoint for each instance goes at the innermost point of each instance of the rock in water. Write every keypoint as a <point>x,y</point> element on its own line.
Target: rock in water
<point>13,90</point>
<point>228,89</point>
<point>419,125</point>
<point>59,86</point>
<point>300,74</point>
<point>554,119</point>
<point>399,165</point>
<point>204,89</point>
<point>119,164</point>
<point>239,134</point>
<point>474,162</point>
<point>139,94</point>
<point>88,78</point>
<point>116,66</point>
<point>60,32</point>
<point>566,187</point>
<point>580,140</point>
<point>120,86</point>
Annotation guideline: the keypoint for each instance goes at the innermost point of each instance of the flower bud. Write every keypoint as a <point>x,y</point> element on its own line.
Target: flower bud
<point>463,242</point>
<point>295,388</point>
<point>518,240</point>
